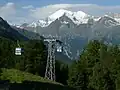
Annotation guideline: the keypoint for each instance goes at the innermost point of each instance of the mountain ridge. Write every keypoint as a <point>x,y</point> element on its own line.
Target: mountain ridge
<point>78,18</point>
<point>7,31</point>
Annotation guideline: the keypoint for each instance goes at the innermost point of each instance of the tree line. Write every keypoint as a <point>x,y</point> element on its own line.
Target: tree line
<point>98,68</point>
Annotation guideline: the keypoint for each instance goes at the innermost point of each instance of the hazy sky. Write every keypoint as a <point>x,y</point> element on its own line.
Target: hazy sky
<point>19,11</point>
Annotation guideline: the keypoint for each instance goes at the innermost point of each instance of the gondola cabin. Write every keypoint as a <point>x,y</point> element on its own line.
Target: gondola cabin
<point>18,51</point>
<point>59,49</point>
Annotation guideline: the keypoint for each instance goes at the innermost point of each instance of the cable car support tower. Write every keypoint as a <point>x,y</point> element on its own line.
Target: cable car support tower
<point>50,66</point>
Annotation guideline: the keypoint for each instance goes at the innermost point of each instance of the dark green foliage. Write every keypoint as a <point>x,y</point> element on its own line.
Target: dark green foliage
<point>32,60</point>
<point>6,53</point>
<point>61,72</point>
<point>78,76</point>
<point>97,69</point>
<point>35,58</point>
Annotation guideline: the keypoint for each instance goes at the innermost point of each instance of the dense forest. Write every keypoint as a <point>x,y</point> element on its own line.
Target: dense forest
<point>32,60</point>
<point>98,67</point>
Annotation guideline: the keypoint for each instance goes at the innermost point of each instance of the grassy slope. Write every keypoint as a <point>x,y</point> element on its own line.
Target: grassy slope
<point>18,76</point>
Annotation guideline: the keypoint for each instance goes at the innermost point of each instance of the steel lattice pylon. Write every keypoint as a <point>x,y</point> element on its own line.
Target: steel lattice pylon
<point>50,67</point>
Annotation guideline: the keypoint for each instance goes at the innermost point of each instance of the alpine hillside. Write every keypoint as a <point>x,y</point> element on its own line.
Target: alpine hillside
<point>7,31</point>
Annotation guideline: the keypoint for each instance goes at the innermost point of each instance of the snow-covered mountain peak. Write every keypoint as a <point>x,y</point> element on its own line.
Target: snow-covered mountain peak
<point>108,21</point>
<point>80,14</point>
<point>59,13</point>
<point>77,17</point>
<point>107,17</point>
<point>42,23</point>
<point>33,24</point>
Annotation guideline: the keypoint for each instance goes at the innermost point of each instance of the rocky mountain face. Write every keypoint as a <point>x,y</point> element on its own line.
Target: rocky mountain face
<point>7,31</point>
<point>29,34</point>
<point>75,29</point>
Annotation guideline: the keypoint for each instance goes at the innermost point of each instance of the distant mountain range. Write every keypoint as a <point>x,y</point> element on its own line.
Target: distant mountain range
<point>77,18</point>
<point>75,29</point>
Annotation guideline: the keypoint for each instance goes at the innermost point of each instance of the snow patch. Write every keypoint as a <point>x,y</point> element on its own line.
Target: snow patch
<point>77,17</point>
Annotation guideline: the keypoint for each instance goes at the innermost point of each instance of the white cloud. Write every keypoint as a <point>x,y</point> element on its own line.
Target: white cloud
<point>28,7</point>
<point>92,9</point>
<point>45,11</point>
<point>13,14</point>
<point>7,10</point>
